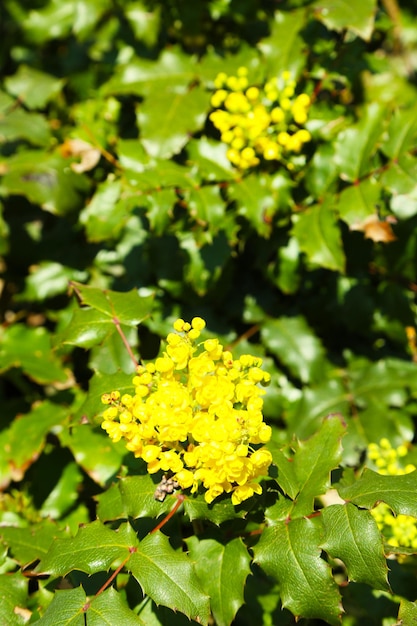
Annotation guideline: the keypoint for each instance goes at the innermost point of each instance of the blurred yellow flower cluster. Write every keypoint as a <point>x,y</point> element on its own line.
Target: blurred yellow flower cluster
<point>259,123</point>
<point>196,414</point>
<point>400,530</point>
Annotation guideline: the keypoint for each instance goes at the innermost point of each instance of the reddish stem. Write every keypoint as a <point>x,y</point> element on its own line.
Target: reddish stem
<point>180,500</point>
<point>125,341</point>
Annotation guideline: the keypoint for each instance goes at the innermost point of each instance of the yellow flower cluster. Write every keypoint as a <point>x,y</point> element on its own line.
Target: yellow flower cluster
<point>400,530</point>
<point>196,415</point>
<point>259,123</point>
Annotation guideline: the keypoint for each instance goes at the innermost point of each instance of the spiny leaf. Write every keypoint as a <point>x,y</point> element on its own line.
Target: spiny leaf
<point>222,570</point>
<point>66,609</point>
<point>290,553</point>
<point>352,535</point>
<point>93,549</point>
<point>399,492</point>
<point>168,577</point>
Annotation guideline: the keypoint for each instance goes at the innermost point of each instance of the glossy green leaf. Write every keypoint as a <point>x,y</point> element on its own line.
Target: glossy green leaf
<point>402,133</point>
<point>316,402</point>
<point>30,349</point>
<point>371,488</point>
<point>290,553</point>
<point>407,613</point>
<point>65,493</point>
<point>145,23</point>
<point>283,48</point>
<point>32,87</point>
<point>95,548</point>
<point>209,158</point>
<point>13,597</point>
<point>19,124</point>
<point>109,608</point>
<point>48,279</point>
<point>105,215</point>
<point>357,144</point>
<point>130,307</point>
<point>354,15</point>
<point>318,236</point>
<point>295,345</point>
<point>219,511</point>
<point>222,571</point>
<point>314,459</point>
<point>357,202</point>
<point>110,504</point>
<point>166,122</point>
<point>30,544</point>
<point>67,608</point>
<point>94,451</point>
<point>143,76</point>
<point>287,476</point>
<point>27,434</point>
<point>99,384</point>
<point>258,198</point>
<point>351,534</point>
<point>206,206</point>
<point>168,577</point>
<point>45,180</point>
<point>138,497</point>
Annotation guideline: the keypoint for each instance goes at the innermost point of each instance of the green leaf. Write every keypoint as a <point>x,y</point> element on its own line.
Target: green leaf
<point>44,179</point>
<point>296,346</point>
<point>105,215</point>
<point>30,544</point>
<point>49,279</point>
<point>66,609</point>
<point>401,133</point>
<point>144,23</point>
<point>30,349</point>
<point>396,491</point>
<point>129,307</point>
<point>357,202</point>
<point>94,451</point>
<point>138,497</point>
<point>32,87</point>
<point>103,383</point>
<point>407,613</point>
<point>27,434</point>
<point>108,609</point>
<point>210,160</point>
<point>259,197</point>
<point>290,553</point>
<point>195,507</point>
<point>19,124</point>
<point>355,15</point>
<point>173,69</point>
<point>283,49</point>
<point>65,493</point>
<point>167,120</point>
<point>352,535</point>
<point>168,577</point>
<point>94,549</point>
<point>357,144</point>
<point>287,477</point>
<point>314,459</point>
<point>318,236</point>
<point>110,504</point>
<point>222,570</point>
<point>206,206</point>
<point>316,402</point>
<point>13,599</point>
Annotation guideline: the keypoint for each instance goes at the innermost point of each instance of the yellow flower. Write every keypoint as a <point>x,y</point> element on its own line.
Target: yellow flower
<point>196,414</point>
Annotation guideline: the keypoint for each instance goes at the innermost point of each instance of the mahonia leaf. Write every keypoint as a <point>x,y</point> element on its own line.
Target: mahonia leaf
<point>399,492</point>
<point>129,307</point>
<point>168,577</point>
<point>319,237</point>
<point>314,459</point>
<point>30,544</point>
<point>93,549</point>
<point>138,497</point>
<point>290,553</point>
<point>407,613</point>
<point>222,570</point>
<point>352,535</point>
<point>13,599</point>
<point>357,16</point>
<point>295,344</point>
<point>109,609</point>
<point>66,609</point>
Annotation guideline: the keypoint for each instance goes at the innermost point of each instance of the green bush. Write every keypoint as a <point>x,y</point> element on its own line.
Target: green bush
<point>157,162</point>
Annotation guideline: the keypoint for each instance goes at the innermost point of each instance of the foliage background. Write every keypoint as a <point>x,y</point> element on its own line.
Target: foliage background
<point>313,269</point>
